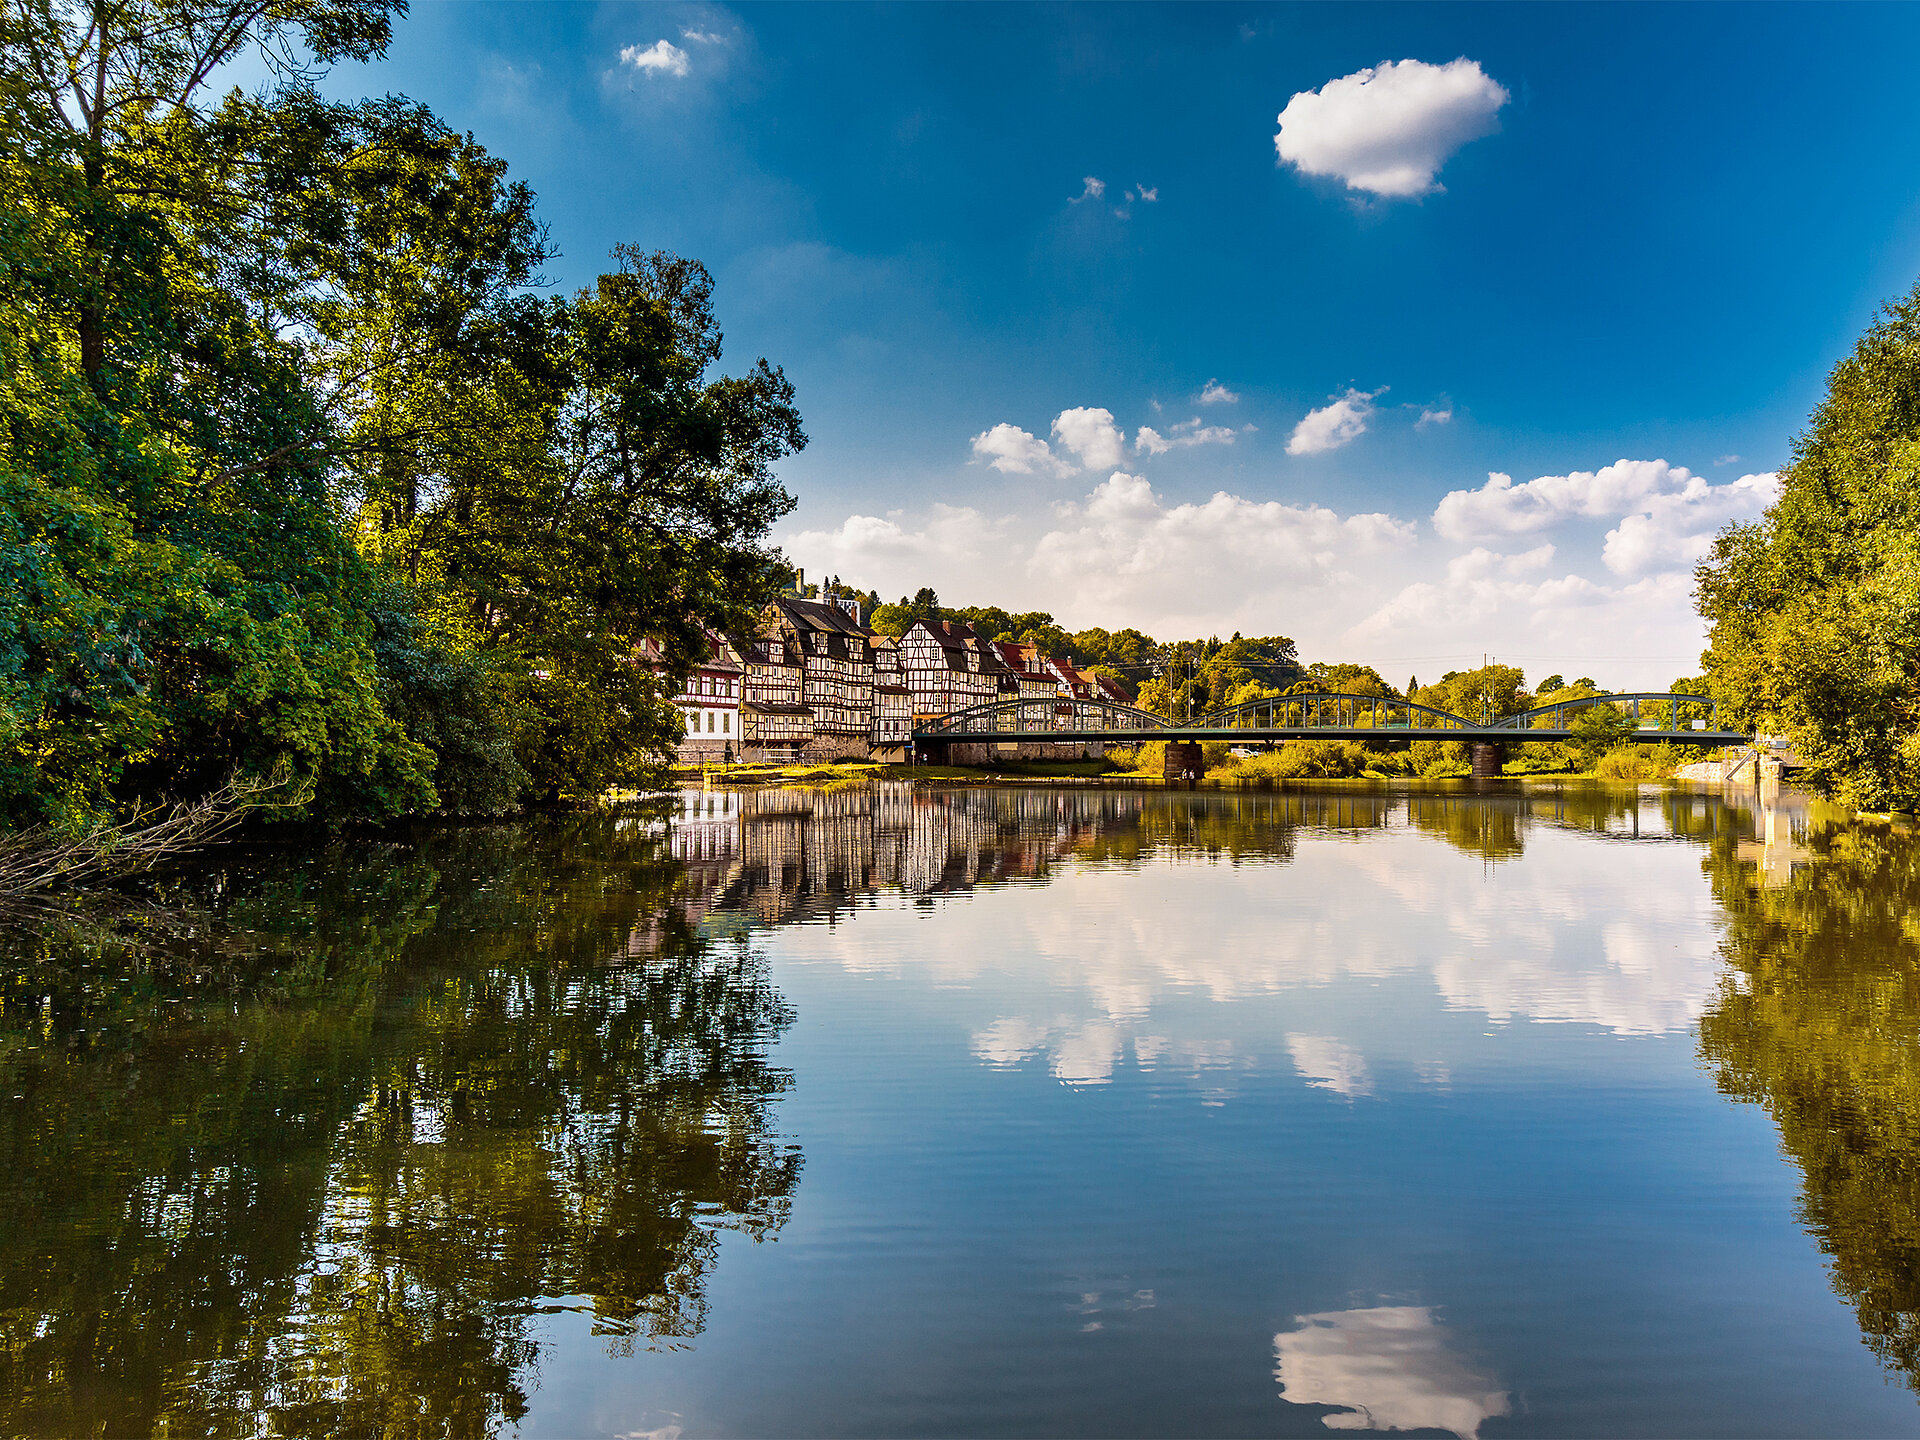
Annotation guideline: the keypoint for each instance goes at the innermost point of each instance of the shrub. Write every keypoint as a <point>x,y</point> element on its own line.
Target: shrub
<point>1301,760</point>
<point>1635,762</point>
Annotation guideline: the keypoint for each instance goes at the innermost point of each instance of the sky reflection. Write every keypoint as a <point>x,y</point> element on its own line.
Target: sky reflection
<point>1387,1367</point>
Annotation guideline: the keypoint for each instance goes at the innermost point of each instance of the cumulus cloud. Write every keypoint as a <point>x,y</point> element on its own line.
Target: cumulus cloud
<point>1214,393</point>
<point>1151,556</point>
<point>880,545</point>
<point>663,57</point>
<point>1335,424</point>
<point>1677,529</point>
<point>703,37</point>
<point>1095,188</point>
<point>1013,451</point>
<point>1441,414</point>
<point>1090,433</point>
<point>1150,194</point>
<point>1728,460</point>
<point>1667,515</point>
<point>1500,507</point>
<point>1388,130</point>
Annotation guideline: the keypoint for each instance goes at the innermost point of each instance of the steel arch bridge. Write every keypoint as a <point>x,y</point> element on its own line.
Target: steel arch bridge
<point>1322,715</point>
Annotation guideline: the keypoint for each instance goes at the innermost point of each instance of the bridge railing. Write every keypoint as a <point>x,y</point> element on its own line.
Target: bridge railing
<point>1032,716</point>
<point>1328,710</point>
<point>1320,710</point>
<point>1646,710</point>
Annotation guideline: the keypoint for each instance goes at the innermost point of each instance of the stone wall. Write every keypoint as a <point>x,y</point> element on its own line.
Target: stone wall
<point>825,749</point>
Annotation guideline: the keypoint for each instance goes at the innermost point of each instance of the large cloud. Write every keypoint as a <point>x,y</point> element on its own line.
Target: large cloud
<point>1667,515</point>
<point>1388,130</point>
<point>1124,548</point>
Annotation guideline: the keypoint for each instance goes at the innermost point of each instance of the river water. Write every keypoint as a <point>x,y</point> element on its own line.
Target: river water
<point>1556,1110</point>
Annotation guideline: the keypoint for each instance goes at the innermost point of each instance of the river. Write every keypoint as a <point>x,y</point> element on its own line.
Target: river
<point>1556,1109</point>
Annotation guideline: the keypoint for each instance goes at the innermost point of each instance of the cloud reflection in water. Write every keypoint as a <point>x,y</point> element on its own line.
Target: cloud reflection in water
<point>1388,1367</point>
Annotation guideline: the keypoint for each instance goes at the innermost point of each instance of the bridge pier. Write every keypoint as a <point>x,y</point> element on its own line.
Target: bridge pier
<point>1488,758</point>
<point>1183,761</point>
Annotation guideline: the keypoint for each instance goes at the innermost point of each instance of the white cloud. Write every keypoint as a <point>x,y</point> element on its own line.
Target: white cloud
<point>1150,195</point>
<point>1678,529</point>
<point>1502,508</point>
<point>1090,434</point>
<point>1441,414</point>
<point>1728,460</point>
<point>1387,1367</point>
<point>1333,424</point>
<point>663,57</point>
<point>1188,433</point>
<point>703,37</point>
<point>1095,188</point>
<point>1013,451</point>
<point>1124,552</point>
<point>1214,393</point>
<point>1667,515</point>
<point>1389,129</point>
<point>881,547</point>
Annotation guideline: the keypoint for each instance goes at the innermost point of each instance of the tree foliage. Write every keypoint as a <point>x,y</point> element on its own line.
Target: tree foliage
<point>1814,611</point>
<point>299,472</point>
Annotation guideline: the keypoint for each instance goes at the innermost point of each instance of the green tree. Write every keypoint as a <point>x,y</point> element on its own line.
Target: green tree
<point>177,598</point>
<point>1814,611</point>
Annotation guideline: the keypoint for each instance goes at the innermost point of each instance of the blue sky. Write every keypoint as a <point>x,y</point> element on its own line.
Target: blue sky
<point>1524,241</point>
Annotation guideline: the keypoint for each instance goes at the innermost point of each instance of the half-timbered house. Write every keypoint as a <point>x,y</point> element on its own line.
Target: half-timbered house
<point>948,667</point>
<point>891,725</point>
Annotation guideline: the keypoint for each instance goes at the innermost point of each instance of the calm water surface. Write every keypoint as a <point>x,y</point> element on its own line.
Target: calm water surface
<point>1573,1111</point>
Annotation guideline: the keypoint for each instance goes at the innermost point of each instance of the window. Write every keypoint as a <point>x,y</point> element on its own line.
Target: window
<point>726,724</point>
<point>709,722</point>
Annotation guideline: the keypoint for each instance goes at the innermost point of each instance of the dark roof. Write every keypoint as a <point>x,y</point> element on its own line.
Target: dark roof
<point>764,708</point>
<point>819,615</point>
<point>952,634</point>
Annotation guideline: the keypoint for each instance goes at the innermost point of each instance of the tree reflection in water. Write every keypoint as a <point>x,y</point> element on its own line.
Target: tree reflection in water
<point>319,1167</point>
<point>1819,1022</point>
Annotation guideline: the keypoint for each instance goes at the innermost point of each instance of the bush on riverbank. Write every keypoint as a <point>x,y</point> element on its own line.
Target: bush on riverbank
<point>1296,760</point>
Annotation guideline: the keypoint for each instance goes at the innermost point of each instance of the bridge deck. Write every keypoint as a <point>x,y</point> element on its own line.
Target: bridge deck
<point>1249,735</point>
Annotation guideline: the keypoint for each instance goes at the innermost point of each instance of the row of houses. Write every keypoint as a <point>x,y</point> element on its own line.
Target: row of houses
<point>815,683</point>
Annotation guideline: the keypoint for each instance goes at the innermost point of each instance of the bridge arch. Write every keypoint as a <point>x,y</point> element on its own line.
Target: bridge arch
<point>1028,716</point>
<point>1558,715</point>
<point>1328,709</point>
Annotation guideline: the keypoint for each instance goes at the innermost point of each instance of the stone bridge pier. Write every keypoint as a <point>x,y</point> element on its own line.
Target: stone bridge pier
<point>1488,759</point>
<point>1183,761</point>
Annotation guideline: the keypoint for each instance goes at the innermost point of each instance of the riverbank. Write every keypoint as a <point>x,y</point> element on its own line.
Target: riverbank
<point>1098,773</point>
